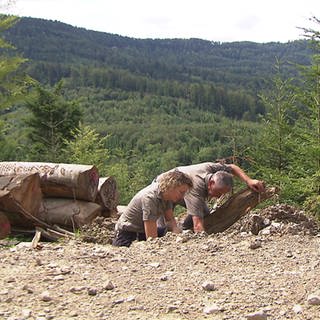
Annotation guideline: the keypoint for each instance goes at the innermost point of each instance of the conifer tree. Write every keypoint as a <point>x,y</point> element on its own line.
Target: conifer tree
<point>87,147</point>
<point>308,125</point>
<point>275,146</point>
<point>51,123</point>
<point>13,83</point>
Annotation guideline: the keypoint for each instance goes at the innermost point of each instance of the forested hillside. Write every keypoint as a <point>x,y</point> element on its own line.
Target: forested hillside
<point>157,103</point>
<point>223,78</point>
<point>238,64</point>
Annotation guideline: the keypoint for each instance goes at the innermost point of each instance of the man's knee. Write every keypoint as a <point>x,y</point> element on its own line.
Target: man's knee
<point>124,238</point>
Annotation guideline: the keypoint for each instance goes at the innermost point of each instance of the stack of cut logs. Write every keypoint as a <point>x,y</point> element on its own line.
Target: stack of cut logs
<point>55,198</point>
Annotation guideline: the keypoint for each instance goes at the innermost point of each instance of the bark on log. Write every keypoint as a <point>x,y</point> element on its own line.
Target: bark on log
<point>234,208</point>
<point>20,219</point>
<point>21,195</point>
<point>5,227</point>
<point>107,196</point>
<point>59,180</point>
<point>68,213</point>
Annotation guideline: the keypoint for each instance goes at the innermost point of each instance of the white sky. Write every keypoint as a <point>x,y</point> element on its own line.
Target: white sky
<point>216,20</point>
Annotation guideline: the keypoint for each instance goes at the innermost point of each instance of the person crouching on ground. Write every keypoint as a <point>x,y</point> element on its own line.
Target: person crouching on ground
<point>139,219</point>
<point>210,181</point>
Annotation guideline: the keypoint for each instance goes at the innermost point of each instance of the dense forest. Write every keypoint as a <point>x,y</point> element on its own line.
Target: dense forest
<point>217,77</point>
<point>137,107</point>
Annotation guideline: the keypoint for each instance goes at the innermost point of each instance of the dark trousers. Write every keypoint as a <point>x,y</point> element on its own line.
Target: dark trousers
<point>187,223</point>
<point>125,238</point>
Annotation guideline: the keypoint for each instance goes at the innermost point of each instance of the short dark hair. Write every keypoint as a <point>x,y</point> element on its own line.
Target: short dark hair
<point>222,179</point>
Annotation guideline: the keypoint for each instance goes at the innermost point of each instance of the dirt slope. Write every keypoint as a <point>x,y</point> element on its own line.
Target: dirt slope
<point>232,275</point>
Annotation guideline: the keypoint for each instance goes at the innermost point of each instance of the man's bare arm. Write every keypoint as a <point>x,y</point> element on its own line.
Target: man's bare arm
<point>256,185</point>
<point>150,228</point>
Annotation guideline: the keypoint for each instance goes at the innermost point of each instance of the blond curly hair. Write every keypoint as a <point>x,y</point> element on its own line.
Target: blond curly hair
<point>173,179</point>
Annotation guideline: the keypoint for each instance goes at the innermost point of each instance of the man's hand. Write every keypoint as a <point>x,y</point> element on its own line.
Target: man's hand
<point>197,224</point>
<point>171,221</point>
<point>256,185</point>
<point>175,229</point>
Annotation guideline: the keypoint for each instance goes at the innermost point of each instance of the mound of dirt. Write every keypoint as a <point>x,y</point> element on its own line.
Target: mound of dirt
<point>278,219</point>
<point>101,231</point>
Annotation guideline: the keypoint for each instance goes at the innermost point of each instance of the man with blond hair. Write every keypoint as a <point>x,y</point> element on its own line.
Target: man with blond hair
<point>139,219</point>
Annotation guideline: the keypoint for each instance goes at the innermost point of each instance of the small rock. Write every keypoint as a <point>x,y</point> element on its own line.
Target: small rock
<point>164,277</point>
<point>92,291</point>
<point>154,264</point>
<point>118,301</point>
<point>27,288</point>
<point>214,308</point>
<point>255,244</point>
<point>74,313</point>
<point>76,289</point>
<point>4,292</point>
<point>259,315</point>
<point>45,296</point>
<point>297,309</point>
<point>38,262</point>
<point>26,313</point>
<point>130,298</point>
<point>109,286</point>
<point>181,239</point>
<point>24,245</point>
<point>289,254</point>
<point>136,307</point>
<point>314,299</point>
<point>208,286</point>
<point>171,308</point>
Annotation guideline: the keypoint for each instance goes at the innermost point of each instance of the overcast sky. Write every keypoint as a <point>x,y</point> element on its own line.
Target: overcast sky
<point>215,20</point>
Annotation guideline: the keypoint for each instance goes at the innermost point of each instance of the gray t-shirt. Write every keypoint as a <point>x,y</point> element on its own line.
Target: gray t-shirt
<point>195,198</point>
<point>147,204</point>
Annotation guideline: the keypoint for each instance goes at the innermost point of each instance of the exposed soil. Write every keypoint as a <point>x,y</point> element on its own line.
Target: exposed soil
<point>266,266</point>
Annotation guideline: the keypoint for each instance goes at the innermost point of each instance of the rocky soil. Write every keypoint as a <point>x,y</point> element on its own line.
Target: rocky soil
<point>266,266</point>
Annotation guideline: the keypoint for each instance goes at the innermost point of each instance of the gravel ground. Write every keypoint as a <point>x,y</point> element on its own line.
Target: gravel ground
<point>272,274</point>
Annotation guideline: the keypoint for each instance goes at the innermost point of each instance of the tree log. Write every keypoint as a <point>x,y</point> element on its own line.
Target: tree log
<point>5,227</point>
<point>69,213</point>
<point>59,180</point>
<point>107,196</point>
<point>234,208</point>
<point>21,219</point>
<point>21,195</point>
